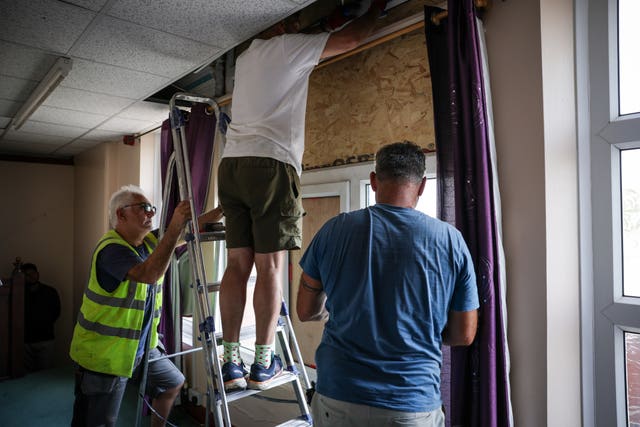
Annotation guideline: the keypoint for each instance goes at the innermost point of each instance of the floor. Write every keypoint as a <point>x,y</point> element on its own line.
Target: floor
<point>45,398</point>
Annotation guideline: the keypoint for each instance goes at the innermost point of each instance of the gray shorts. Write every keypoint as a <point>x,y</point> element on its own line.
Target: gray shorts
<point>329,412</point>
<point>98,396</point>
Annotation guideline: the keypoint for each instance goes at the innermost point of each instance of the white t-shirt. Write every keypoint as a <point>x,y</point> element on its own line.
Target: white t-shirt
<point>270,97</point>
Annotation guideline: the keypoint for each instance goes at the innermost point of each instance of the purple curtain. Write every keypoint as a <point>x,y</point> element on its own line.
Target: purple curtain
<point>475,378</point>
<point>199,131</point>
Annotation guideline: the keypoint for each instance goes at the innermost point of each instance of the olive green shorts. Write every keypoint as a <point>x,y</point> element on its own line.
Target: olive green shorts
<point>262,204</point>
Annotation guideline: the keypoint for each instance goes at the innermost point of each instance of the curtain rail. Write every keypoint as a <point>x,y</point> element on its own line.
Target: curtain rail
<point>437,18</point>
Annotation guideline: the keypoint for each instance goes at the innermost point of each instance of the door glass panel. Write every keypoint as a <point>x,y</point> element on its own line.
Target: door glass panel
<point>632,355</point>
<point>630,182</point>
<point>629,55</point>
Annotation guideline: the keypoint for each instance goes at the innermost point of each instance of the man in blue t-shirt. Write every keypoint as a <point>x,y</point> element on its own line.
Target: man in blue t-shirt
<point>395,284</point>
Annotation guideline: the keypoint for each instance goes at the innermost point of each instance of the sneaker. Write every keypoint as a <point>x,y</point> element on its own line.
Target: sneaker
<point>261,377</point>
<point>233,376</point>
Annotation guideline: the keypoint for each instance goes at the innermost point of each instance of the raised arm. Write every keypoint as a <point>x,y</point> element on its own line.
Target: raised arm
<point>311,298</point>
<point>354,33</point>
<point>461,328</point>
<point>154,267</point>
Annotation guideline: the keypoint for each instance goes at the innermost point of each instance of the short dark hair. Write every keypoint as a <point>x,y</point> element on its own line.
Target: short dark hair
<point>29,266</point>
<point>403,161</point>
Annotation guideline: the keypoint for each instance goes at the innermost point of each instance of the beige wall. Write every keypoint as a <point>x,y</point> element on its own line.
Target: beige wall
<point>532,78</point>
<point>98,173</point>
<point>38,225</point>
<point>58,213</point>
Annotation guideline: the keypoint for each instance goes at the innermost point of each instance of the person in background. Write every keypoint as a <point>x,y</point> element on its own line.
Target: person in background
<point>41,310</point>
<point>395,284</point>
<point>117,316</point>
<point>259,185</point>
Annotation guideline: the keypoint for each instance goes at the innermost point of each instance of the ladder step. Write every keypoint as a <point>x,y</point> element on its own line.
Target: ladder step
<point>284,378</point>
<point>295,423</point>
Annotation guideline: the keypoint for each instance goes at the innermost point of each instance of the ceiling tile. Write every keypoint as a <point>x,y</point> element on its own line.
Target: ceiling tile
<point>15,89</point>
<point>121,124</point>
<point>67,117</point>
<point>79,100</point>
<point>13,135</point>
<point>83,142</point>
<point>9,108</point>
<point>69,150</point>
<point>76,147</point>
<point>149,111</point>
<point>24,62</point>
<point>94,5</point>
<point>102,136</point>
<point>215,22</point>
<point>47,24</point>
<point>112,80</point>
<point>31,126</point>
<point>116,42</point>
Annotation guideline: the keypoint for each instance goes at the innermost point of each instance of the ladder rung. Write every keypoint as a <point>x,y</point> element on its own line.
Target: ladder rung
<point>284,378</point>
<point>212,236</point>
<point>213,287</point>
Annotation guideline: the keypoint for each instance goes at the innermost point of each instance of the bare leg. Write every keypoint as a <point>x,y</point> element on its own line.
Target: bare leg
<point>267,297</point>
<point>162,405</point>
<point>233,291</point>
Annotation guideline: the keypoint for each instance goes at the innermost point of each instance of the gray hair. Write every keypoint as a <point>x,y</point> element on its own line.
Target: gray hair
<point>402,161</point>
<point>123,196</point>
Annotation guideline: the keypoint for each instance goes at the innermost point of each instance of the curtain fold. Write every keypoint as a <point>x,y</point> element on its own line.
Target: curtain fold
<point>200,132</point>
<point>475,378</point>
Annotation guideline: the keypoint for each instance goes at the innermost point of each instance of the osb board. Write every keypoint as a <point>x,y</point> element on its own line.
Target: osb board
<point>375,97</point>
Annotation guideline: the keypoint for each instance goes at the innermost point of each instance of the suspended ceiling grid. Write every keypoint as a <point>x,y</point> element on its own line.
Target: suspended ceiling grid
<point>123,52</point>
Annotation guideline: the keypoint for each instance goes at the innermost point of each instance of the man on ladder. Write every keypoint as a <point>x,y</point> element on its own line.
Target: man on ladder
<point>259,187</point>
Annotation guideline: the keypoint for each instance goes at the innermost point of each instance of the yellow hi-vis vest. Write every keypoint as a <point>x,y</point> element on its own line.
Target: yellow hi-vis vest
<point>106,335</point>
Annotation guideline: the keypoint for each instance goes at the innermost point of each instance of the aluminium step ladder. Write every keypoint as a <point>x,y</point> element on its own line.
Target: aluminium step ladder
<point>216,397</point>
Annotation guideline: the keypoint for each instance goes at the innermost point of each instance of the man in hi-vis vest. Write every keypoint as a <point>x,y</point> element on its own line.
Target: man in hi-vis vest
<point>116,316</point>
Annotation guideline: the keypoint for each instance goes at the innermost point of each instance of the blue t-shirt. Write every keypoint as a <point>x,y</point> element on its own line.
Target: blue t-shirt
<point>391,275</point>
<point>113,263</point>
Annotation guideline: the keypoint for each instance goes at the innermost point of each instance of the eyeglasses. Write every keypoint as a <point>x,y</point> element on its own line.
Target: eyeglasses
<point>146,207</point>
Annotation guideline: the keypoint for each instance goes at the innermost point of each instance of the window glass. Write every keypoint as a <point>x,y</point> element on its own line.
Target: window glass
<point>632,355</point>
<point>630,181</point>
<point>629,55</point>
<point>426,202</point>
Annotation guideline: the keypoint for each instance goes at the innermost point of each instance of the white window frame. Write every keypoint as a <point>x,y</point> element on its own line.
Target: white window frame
<point>606,314</point>
<point>339,188</point>
<point>349,177</point>
<point>356,176</point>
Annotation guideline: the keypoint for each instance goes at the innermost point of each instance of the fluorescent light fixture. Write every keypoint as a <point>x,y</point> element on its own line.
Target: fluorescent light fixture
<point>51,80</point>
